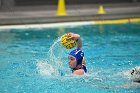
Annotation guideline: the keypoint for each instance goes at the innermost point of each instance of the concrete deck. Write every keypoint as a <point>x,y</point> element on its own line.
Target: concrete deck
<point>47,14</point>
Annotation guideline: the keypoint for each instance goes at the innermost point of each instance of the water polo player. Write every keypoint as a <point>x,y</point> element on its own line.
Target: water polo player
<point>135,74</point>
<point>76,57</point>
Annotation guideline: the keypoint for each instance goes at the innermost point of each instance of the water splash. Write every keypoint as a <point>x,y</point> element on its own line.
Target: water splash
<point>53,52</point>
<point>45,69</point>
<point>55,59</point>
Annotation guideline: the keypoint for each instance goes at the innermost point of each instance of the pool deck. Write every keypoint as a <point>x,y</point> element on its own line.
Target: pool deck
<point>47,14</point>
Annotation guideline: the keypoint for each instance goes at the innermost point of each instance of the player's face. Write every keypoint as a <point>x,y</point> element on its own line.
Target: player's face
<point>72,61</point>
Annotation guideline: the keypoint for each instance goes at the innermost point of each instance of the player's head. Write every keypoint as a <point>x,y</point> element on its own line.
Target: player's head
<point>76,57</point>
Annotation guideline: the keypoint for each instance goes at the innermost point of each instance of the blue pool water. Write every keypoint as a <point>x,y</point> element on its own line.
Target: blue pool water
<point>33,61</point>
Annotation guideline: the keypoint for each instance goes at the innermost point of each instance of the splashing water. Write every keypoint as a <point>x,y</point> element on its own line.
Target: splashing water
<point>45,69</point>
<point>55,59</point>
<point>54,53</point>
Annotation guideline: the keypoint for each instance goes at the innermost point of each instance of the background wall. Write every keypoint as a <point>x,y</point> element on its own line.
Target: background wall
<point>68,2</point>
<point>46,11</point>
<point>10,4</point>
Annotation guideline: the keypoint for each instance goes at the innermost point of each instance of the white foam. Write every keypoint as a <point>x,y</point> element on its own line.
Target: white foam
<point>135,76</point>
<point>127,74</point>
<point>45,69</point>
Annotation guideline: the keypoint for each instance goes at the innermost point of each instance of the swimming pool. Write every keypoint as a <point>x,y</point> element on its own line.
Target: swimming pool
<point>32,60</point>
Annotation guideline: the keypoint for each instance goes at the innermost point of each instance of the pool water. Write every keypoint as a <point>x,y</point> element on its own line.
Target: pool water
<point>33,61</point>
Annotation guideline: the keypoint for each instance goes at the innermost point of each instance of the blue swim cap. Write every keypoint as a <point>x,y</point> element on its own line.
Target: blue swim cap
<point>78,54</point>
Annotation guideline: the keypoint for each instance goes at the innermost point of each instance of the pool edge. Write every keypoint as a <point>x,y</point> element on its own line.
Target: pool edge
<point>61,24</point>
<point>118,21</point>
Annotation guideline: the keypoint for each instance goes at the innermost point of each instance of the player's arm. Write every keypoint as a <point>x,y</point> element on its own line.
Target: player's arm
<point>77,38</point>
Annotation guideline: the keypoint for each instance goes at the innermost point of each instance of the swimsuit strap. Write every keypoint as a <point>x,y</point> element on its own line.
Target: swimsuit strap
<point>82,67</point>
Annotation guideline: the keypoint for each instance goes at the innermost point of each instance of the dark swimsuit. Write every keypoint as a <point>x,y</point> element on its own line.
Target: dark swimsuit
<point>82,67</point>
